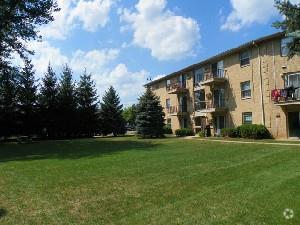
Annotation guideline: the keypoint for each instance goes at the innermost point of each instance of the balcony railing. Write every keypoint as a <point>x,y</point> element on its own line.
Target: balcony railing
<point>177,87</point>
<point>287,95</point>
<point>209,105</point>
<point>215,76</point>
<point>177,109</point>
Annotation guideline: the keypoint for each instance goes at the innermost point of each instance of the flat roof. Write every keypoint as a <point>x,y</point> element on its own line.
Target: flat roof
<point>218,56</point>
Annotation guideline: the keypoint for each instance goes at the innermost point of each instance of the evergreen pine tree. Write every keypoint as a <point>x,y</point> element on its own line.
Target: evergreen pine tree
<point>111,117</point>
<point>150,116</point>
<point>290,24</point>
<point>87,105</point>
<point>48,103</point>
<point>27,100</point>
<point>8,92</point>
<point>67,105</point>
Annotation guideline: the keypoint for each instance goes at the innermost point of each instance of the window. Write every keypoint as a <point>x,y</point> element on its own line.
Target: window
<point>285,46</point>
<point>168,103</point>
<point>246,89</point>
<point>245,58</point>
<point>247,118</point>
<point>168,83</point>
<point>199,76</point>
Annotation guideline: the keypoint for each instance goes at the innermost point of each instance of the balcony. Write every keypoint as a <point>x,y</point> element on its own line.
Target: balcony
<point>287,96</point>
<point>177,88</point>
<point>179,110</point>
<point>216,77</point>
<point>210,106</point>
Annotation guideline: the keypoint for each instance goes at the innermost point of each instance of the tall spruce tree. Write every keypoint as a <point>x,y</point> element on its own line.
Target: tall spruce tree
<point>290,24</point>
<point>87,105</point>
<point>27,100</point>
<point>48,101</point>
<point>67,104</point>
<point>8,101</point>
<point>150,116</point>
<point>111,117</point>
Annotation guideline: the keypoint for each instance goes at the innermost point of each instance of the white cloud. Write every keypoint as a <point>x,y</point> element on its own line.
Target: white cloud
<point>45,53</point>
<point>159,76</point>
<point>247,12</point>
<point>128,84</point>
<point>92,14</point>
<point>92,60</point>
<point>89,14</point>
<point>167,35</point>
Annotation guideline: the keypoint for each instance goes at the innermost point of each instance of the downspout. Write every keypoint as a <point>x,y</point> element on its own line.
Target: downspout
<point>274,69</point>
<point>261,85</point>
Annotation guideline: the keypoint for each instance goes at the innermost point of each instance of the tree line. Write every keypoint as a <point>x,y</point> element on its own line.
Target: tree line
<point>56,107</point>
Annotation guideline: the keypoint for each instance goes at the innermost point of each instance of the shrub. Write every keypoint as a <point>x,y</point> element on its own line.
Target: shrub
<point>229,132</point>
<point>167,130</point>
<point>184,132</point>
<point>253,131</point>
<point>201,133</point>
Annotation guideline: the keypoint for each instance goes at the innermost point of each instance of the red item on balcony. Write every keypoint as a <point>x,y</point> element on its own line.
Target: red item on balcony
<point>276,94</point>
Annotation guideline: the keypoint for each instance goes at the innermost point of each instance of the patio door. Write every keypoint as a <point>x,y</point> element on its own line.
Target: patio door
<point>293,80</point>
<point>183,103</point>
<point>220,66</point>
<point>182,80</point>
<point>219,124</point>
<point>294,124</point>
<point>219,98</point>
<point>200,100</point>
<point>183,123</point>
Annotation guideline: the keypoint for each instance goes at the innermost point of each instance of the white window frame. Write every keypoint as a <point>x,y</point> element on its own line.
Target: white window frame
<point>244,114</point>
<point>245,58</point>
<point>249,90</point>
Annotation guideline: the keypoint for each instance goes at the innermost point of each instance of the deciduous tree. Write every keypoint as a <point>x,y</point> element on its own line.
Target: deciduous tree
<point>290,24</point>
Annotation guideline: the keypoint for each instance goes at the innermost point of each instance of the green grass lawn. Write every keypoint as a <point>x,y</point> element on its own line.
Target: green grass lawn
<point>132,181</point>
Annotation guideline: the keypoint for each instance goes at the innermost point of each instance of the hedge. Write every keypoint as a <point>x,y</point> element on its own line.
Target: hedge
<point>184,132</point>
<point>229,132</point>
<point>251,131</point>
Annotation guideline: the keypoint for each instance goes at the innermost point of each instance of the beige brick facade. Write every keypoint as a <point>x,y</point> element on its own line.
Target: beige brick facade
<point>222,104</point>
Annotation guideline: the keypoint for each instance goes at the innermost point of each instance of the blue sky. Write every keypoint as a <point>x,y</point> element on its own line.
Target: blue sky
<point>124,42</point>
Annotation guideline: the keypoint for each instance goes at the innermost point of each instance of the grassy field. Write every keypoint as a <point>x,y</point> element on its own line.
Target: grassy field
<point>132,181</point>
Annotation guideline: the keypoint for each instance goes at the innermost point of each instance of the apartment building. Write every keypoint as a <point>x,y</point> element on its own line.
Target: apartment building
<point>254,83</point>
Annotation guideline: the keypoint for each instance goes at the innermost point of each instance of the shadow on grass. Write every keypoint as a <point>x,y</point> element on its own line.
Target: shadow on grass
<point>3,213</point>
<point>70,149</point>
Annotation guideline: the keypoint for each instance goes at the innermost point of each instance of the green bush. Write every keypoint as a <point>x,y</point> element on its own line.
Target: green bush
<point>229,132</point>
<point>201,133</point>
<point>253,131</point>
<point>167,130</point>
<point>184,132</point>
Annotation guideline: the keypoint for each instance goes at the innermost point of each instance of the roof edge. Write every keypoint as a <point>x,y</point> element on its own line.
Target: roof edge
<point>220,55</point>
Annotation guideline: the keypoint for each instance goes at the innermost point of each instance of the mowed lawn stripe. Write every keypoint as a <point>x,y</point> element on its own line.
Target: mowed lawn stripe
<point>133,181</point>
